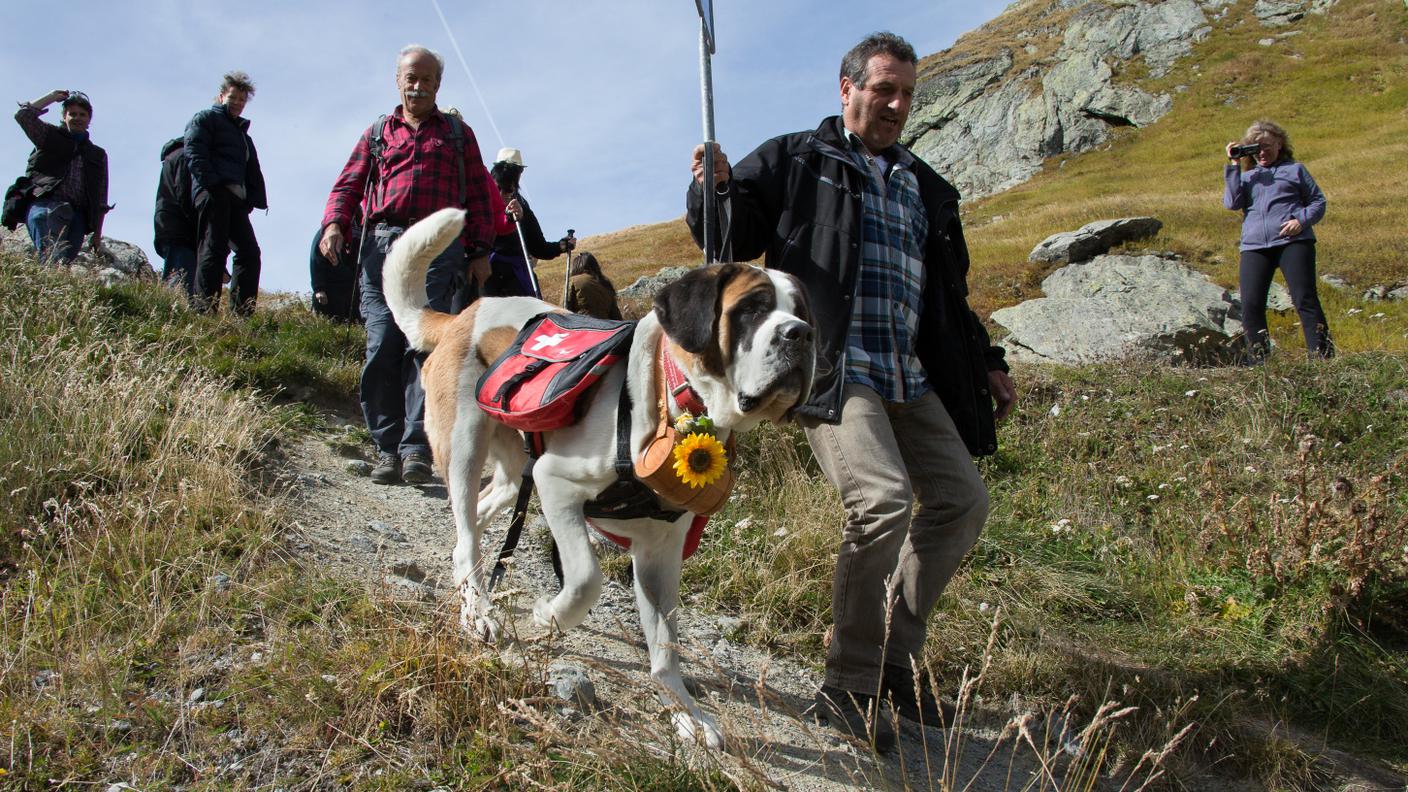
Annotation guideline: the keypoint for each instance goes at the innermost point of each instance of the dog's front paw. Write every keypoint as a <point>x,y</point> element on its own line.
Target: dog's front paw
<point>544,615</point>
<point>481,626</point>
<point>698,729</point>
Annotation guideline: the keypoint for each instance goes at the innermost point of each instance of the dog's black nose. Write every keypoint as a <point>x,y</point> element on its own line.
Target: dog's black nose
<point>796,331</point>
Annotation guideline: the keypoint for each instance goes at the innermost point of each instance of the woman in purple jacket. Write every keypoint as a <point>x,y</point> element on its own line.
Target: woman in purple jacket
<point>1279,203</point>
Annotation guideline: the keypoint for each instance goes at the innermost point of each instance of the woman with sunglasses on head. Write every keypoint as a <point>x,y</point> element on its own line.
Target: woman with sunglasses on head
<point>1279,202</point>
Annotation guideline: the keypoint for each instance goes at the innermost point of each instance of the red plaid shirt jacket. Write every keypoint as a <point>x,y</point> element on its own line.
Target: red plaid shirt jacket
<point>417,176</point>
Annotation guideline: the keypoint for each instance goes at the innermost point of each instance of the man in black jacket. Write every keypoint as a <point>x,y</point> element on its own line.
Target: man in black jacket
<point>67,189</point>
<point>910,376</point>
<point>228,186</point>
<point>174,221</point>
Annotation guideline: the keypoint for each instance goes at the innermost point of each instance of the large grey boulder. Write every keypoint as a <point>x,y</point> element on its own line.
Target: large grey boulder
<point>1113,308</point>
<point>122,257</point>
<point>1160,32</point>
<point>1092,239</point>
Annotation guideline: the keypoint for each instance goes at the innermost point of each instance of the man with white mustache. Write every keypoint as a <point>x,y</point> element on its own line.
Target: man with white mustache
<point>416,170</point>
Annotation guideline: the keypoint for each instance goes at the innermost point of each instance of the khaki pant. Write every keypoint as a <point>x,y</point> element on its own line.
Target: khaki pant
<point>882,457</point>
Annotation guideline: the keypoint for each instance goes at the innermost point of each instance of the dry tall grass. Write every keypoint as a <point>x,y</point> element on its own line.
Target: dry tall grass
<point>156,624</point>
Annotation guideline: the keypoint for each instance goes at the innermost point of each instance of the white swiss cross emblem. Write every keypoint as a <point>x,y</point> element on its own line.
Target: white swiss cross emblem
<point>548,341</point>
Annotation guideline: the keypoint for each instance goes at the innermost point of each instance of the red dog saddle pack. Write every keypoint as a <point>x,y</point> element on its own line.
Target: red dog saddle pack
<point>536,383</point>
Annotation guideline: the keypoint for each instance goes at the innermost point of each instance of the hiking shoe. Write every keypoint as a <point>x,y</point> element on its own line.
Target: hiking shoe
<point>856,714</point>
<point>921,705</point>
<point>415,468</point>
<point>388,468</point>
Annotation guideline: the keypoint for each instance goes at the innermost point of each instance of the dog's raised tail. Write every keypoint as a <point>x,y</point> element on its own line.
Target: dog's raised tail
<point>403,277</point>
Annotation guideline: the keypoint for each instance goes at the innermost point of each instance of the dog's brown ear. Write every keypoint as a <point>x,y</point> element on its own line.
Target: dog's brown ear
<point>689,308</point>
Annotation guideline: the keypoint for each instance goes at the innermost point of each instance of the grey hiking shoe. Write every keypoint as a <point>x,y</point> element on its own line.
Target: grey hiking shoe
<point>415,468</point>
<point>856,715</point>
<point>388,468</point>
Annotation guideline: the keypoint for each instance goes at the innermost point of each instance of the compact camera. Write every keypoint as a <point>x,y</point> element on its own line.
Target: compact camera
<point>1245,150</point>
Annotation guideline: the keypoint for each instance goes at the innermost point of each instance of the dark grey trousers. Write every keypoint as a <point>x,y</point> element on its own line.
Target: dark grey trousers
<point>894,561</point>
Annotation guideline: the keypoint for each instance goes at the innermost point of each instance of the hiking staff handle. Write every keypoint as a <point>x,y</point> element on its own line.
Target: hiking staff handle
<point>567,268</point>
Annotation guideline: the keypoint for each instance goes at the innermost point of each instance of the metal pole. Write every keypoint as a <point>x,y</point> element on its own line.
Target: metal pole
<point>527,259</point>
<point>706,90</point>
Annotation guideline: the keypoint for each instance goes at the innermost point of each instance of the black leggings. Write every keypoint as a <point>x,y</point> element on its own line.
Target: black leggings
<point>1297,263</point>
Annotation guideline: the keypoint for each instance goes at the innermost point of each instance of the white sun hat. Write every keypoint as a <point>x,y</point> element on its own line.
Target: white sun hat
<point>510,155</point>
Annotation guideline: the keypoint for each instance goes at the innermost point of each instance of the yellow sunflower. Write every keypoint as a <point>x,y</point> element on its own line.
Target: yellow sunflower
<point>700,460</point>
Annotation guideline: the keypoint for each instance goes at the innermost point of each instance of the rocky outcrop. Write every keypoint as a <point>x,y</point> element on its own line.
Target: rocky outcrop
<point>119,260</point>
<point>1276,13</point>
<point>988,122</point>
<point>1116,308</point>
<point>647,286</point>
<point>1092,239</point>
<point>15,242</point>
<point>1391,293</point>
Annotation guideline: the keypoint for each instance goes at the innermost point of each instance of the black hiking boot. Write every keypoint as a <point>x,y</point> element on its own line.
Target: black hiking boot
<point>415,469</point>
<point>857,715</point>
<point>917,705</point>
<point>388,468</point>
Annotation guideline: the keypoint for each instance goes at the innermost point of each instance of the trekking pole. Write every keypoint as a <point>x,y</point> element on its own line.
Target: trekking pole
<point>567,269</point>
<point>527,259</point>
<point>706,91</point>
<point>353,309</point>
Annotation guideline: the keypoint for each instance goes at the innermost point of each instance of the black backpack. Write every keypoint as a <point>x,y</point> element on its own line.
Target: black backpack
<point>17,200</point>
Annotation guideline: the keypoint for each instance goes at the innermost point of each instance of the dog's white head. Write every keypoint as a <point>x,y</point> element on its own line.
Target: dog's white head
<point>744,337</point>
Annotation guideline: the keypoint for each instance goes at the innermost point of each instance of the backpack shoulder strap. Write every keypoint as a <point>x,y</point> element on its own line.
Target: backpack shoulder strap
<point>376,147</point>
<point>377,140</point>
<point>457,138</point>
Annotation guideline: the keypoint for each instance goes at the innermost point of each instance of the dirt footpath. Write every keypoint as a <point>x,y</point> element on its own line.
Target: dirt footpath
<point>401,537</point>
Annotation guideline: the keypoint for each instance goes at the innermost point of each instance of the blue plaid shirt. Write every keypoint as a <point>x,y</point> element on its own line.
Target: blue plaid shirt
<point>889,297</point>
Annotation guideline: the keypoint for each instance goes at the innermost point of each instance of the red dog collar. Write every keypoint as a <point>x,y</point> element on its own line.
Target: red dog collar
<point>685,397</point>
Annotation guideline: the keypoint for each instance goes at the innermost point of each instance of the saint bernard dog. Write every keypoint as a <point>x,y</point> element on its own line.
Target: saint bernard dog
<point>740,334</point>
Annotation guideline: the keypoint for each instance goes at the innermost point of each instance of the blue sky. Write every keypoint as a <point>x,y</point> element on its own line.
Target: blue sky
<point>602,97</point>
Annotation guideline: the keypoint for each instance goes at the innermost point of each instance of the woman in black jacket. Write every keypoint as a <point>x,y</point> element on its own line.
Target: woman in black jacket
<point>509,276</point>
